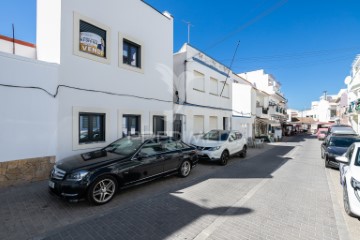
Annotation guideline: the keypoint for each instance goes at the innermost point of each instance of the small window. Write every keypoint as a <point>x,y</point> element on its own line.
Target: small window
<point>213,86</point>
<point>91,127</point>
<point>92,39</point>
<point>198,81</point>
<point>159,125</point>
<point>131,54</point>
<point>225,90</point>
<point>131,125</point>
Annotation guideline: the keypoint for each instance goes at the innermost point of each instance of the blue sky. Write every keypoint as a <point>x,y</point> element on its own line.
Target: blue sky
<point>308,45</point>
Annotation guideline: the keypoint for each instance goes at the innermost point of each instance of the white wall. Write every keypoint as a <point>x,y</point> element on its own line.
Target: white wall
<point>205,98</point>
<point>20,49</point>
<point>242,99</point>
<point>48,23</point>
<point>134,20</point>
<point>28,116</point>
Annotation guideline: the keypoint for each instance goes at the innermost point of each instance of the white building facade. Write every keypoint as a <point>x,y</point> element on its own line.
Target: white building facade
<point>271,104</point>
<point>106,77</point>
<point>202,94</point>
<point>353,89</point>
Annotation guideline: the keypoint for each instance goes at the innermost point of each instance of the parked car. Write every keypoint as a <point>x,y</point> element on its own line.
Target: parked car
<point>350,179</point>
<point>99,174</point>
<point>341,129</point>
<point>219,145</point>
<point>321,133</point>
<point>335,145</point>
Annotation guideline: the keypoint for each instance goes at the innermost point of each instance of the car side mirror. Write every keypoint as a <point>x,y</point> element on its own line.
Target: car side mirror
<point>342,159</point>
<point>231,140</point>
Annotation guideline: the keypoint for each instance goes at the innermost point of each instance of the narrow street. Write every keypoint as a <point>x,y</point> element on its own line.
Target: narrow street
<point>280,191</point>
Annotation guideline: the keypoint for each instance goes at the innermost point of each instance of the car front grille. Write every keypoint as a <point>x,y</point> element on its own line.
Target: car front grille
<point>202,148</point>
<point>58,173</point>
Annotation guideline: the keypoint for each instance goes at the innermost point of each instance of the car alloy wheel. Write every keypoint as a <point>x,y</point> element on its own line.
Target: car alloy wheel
<point>327,165</point>
<point>346,201</point>
<point>224,158</point>
<point>102,190</point>
<point>243,152</point>
<point>185,168</point>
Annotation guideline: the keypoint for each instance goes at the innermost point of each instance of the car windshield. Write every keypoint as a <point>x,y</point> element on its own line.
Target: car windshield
<point>215,135</point>
<point>125,146</point>
<point>343,142</point>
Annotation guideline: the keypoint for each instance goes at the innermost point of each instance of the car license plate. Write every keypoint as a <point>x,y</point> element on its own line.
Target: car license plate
<point>51,184</point>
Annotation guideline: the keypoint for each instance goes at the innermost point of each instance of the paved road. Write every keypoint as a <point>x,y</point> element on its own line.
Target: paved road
<point>281,191</point>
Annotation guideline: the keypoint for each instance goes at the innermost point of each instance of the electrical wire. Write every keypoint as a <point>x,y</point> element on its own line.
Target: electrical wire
<point>83,89</point>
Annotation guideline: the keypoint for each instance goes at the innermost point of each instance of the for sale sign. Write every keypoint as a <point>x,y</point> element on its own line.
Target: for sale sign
<point>92,43</point>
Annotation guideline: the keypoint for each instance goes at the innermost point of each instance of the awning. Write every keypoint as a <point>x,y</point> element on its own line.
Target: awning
<point>267,121</point>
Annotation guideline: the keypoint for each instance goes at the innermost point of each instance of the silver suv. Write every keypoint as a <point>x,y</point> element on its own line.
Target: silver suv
<point>219,145</point>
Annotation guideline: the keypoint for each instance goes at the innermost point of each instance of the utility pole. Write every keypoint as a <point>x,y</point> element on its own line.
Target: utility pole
<point>13,38</point>
<point>188,25</point>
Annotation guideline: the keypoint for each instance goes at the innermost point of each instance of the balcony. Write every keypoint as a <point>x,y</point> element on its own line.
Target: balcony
<point>262,112</point>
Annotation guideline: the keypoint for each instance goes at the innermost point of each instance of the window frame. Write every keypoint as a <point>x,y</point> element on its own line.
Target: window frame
<point>91,117</point>
<point>76,39</point>
<point>130,45</point>
<point>76,145</point>
<point>134,41</point>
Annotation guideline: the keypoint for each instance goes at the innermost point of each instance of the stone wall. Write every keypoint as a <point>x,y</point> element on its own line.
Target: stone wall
<point>25,170</point>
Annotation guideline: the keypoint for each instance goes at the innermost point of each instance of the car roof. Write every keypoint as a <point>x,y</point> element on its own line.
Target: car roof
<point>344,136</point>
<point>343,131</point>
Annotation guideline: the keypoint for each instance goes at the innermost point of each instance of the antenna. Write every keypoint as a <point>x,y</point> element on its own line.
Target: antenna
<point>13,38</point>
<point>232,61</point>
<point>188,25</point>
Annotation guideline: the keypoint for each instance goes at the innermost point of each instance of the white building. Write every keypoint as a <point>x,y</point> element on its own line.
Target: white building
<point>202,92</point>
<point>270,102</point>
<point>353,89</point>
<point>108,78</point>
<point>243,106</point>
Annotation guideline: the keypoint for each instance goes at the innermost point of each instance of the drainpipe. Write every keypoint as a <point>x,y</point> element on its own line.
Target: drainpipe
<point>185,63</point>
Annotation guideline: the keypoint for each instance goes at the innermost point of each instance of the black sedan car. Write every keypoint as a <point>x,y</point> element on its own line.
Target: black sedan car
<point>99,174</point>
<point>335,145</point>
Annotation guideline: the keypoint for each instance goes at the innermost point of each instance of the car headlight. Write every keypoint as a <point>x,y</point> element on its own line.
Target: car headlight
<point>214,148</point>
<point>355,184</point>
<point>333,155</point>
<point>77,176</point>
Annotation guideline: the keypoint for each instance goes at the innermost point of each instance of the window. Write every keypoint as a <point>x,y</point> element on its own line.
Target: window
<point>198,81</point>
<point>213,86</point>
<point>91,39</point>
<point>131,125</point>
<point>131,53</point>
<point>225,90</point>
<point>198,124</point>
<point>91,127</point>
<point>159,125</point>
<point>151,148</point>
<point>213,122</point>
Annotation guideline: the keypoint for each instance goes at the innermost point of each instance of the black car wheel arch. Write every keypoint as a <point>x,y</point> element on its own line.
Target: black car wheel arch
<point>102,190</point>
<point>243,152</point>
<point>224,158</point>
